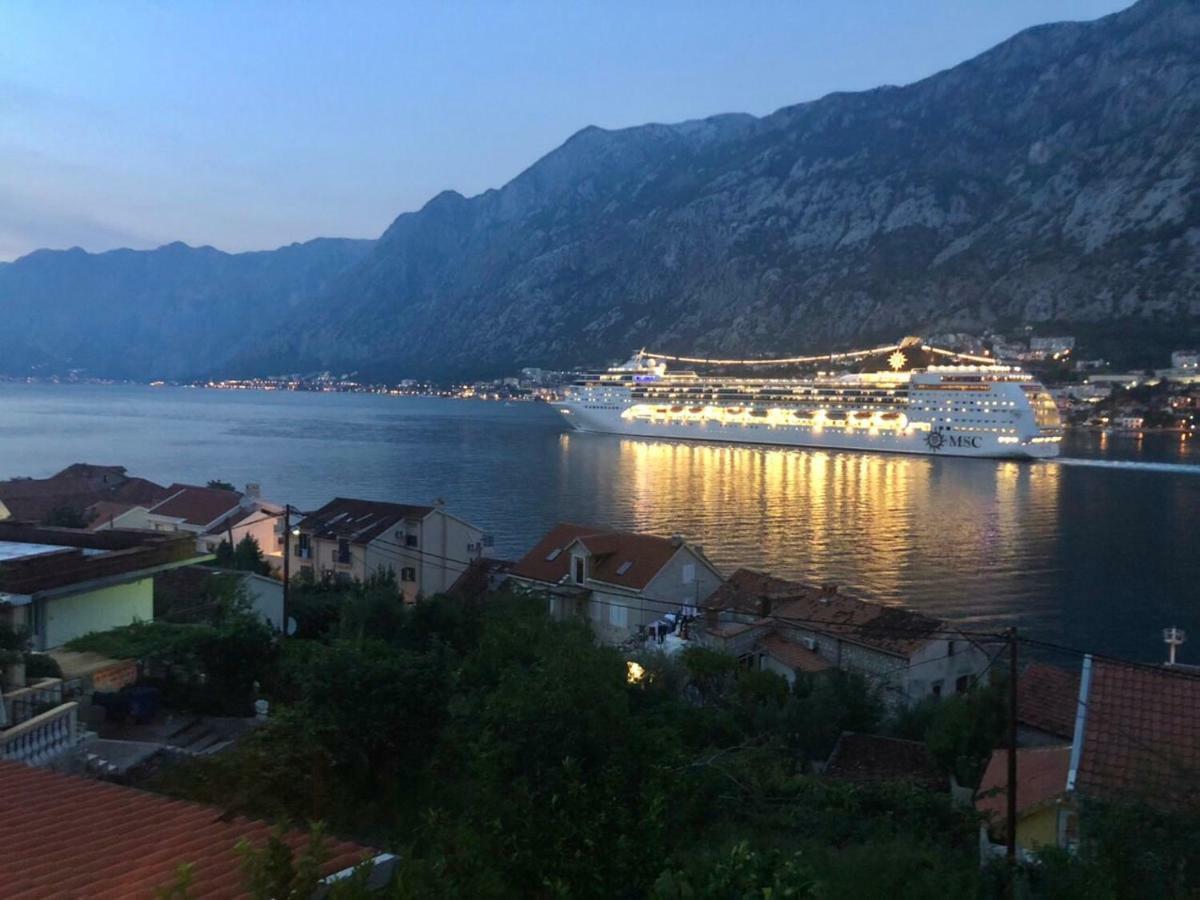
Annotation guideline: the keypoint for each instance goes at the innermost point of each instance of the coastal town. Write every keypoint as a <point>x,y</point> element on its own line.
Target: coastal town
<point>1089,393</point>
<point>118,596</point>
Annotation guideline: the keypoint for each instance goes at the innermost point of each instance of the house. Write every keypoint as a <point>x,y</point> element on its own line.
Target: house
<point>67,836</point>
<point>426,547</point>
<point>867,758</point>
<point>61,583</point>
<point>1135,739</point>
<point>71,493</point>
<point>620,581</point>
<point>790,627</point>
<point>1046,813</point>
<point>211,514</point>
<point>1136,734</point>
<point>1047,697</point>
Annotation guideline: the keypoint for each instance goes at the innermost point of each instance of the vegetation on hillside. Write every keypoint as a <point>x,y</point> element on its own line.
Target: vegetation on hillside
<point>500,753</point>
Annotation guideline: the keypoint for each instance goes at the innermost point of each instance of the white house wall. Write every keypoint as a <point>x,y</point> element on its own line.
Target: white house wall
<point>66,618</point>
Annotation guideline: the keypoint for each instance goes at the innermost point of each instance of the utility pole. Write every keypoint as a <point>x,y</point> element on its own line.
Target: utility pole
<point>1011,823</point>
<point>287,563</point>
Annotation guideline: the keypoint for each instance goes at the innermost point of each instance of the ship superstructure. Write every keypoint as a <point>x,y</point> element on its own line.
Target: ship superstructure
<point>969,406</point>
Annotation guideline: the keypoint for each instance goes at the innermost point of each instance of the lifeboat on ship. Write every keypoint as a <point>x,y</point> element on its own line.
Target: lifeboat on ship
<point>759,413</point>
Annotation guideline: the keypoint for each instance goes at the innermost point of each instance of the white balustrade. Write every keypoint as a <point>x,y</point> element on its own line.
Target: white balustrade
<point>40,739</point>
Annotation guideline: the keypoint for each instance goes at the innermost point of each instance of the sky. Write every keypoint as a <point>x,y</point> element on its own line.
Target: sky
<point>249,125</point>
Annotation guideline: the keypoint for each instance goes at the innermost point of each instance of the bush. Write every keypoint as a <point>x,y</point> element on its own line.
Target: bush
<point>42,665</point>
<point>205,668</point>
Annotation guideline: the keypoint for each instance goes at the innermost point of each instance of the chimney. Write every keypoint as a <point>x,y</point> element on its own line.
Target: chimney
<point>828,592</point>
<point>764,606</point>
<point>677,540</point>
<point>254,490</point>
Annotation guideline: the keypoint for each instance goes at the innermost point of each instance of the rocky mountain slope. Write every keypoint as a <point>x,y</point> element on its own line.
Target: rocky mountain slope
<point>163,313</point>
<point>1053,179</point>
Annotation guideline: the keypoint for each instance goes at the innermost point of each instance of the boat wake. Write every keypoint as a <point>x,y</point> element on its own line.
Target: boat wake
<point>1128,466</point>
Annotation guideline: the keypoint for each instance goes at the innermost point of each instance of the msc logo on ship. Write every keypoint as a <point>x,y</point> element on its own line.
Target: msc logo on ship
<point>935,441</point>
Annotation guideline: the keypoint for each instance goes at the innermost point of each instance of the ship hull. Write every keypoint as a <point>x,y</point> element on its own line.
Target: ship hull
<point>582,417</point>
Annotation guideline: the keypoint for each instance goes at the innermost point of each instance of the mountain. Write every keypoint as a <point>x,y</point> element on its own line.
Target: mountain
<point>1051,180</point>
<point>163,313</point>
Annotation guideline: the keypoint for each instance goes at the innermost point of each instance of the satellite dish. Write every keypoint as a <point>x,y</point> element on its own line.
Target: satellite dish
<point>291,626</point>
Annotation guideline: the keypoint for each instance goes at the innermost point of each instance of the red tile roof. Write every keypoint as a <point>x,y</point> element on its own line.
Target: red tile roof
<point>1047,697</point>
<point>1041,776</point>
<point>1141,735</point>
<point>794,656</point>
<point>359,521</point>
<point>139,491</point>
<point>100,514</point>
<point>624,558</point>
<point>198,506</point>
<point>76,487</point>
<point>65,836</point>
<point>890,629</point>
<point>536,565</point>
<point>873,757</point>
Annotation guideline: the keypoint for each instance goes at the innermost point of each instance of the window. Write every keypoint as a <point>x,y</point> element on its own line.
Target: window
<point>936,688</point>
<point>343,578</point>
<point>410,540</point>
<point>949,648</point>
<point>962,684</point>
<point>408,573</point>
<point>579,570</point>
<point>303,548</point>
<point>689,573</point>
<point>553,554</point>
<point>343,552</point>
<point>618,616</point>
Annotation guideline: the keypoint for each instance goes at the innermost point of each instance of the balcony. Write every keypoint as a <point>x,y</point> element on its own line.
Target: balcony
<point>37,741</point>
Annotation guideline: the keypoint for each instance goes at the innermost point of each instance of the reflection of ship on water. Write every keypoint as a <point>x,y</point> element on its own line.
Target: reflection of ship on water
<point>907,398</point>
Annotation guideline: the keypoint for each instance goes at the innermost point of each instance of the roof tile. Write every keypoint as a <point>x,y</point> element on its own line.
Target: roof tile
<point>65,836</point>
<point>1141,735</point>
<point>359,521</point>
<point>199,506</point>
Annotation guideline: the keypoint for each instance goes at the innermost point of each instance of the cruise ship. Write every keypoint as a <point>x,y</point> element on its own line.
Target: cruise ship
<point>907,398</point>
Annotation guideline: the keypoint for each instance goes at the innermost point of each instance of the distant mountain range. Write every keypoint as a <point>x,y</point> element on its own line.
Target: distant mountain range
<point>1053,181</point>
<point>173,312</point>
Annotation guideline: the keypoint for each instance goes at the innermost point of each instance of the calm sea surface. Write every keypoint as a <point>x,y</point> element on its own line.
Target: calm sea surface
<point>1101,550</point>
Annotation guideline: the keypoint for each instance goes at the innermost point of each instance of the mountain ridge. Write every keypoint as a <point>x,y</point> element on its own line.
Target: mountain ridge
<point>1052,180</point>
<point>173,311</point>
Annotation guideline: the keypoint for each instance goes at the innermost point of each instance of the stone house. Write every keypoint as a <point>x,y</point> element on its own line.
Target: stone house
<point>425,547</point>
<point>620,581</point>
<point>789,627</point>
